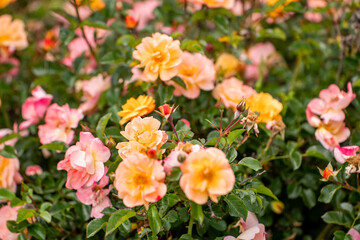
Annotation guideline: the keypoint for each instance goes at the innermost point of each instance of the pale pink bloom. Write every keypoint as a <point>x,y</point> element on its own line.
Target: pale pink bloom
<point>34,107</point>
<point>315,16</point>
<point>9,173</point>
<point>84,162</point>
<point>92,90</point>
<point>187,123</point>
<point>341,154</point>
<point>231,91</point>
<point>332,134</point>
<point>250,229</point>
<point>8,213</point>
<point>259,54</point>
<point>84,12</point>
<point>143,12</point>
<point>96,196</point>
<point>354,234</point>
<point>197,72</point>
<point>171,29</point>
<point>181,152</point>
<point>59,122</point>
<point>330,104</point>
<point>33,170</point>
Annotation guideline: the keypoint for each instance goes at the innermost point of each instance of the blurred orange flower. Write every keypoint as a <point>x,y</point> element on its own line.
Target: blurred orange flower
<point>160,55</point>
<point>140,180</point>
<point>94,4</point>
<point>228,65</point>
<point>12,34</point>
<point>278,11</point>
<point>9,173</point>
<point>4,3</point>
<point>268,107</point>
<point>139,107</point>
<point>206,173</point>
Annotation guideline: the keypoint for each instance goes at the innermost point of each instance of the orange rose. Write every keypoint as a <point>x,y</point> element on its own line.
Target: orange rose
<point>268,107</point>
<point>206,173</point>
<point>228,65</point>
<point>160,55</point>
<point>139,107</point>
<point>12,34</point>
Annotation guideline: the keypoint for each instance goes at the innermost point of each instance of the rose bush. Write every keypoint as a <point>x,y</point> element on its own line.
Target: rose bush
<point>176,119</point>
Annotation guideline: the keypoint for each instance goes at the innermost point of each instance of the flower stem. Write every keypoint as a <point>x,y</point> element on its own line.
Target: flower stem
<point>170,119</point>
<point>191,223</point>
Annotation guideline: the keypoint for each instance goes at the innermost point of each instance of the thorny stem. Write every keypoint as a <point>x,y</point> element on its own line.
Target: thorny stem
<point>346,186</point>
<point>170,120</point>
<point>93,53</point>
<point>250,178</point>
<point>227,129</point>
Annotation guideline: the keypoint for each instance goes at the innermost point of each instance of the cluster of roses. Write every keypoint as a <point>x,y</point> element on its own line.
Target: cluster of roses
<point>326,113</point>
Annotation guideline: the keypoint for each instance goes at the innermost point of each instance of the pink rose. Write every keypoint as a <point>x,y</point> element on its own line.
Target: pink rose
<point>96,196</point>
<point>354,234</point>
<point>143,12</point>
<point>33,170</point>
<point>59,122</point>
<point>35,107</point>
<point>8,213</point>
<point>84,161</point>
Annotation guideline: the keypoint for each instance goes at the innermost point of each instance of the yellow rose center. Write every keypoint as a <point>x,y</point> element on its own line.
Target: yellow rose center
<point>4,162</point>
<point>158,57</point>
<point>141,180</point>
<point>208,173</point>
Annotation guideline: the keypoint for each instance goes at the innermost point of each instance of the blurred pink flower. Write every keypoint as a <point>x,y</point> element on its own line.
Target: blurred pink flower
<point>84,161</point>
<point>231,91</point>
<point>84,12</point>
<point>96,196</point>
<point>197,72</point>
<point>8,213</point>
<point>143,12</point>
<point>315,16</point>
<point>14,69</point>
<point>341,154</point>
<point>6,131</point>
<point>354,234</point>
<point>250,229</point>
<point>35,107</point>
<point>9,173</point>
<point>259,54</point>
<point>59,122</point>
<point>33,170</point>
<point>332,134</point>
<point>92,90</point>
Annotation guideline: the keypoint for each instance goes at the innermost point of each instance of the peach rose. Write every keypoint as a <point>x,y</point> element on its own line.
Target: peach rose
<point>160,55</point>
<point>140,180</point>
<point>84,162</point>
<point>9,173</point>
<point>197,72</point>
<point>8,213</point>
<point>206,173</point>
<point>332,134</point>
<point>126,148</point>
<point>145,131</point>
<point>231,91</point>
<point>268,107</point>
<point>12,34</point>
<point>229,4</point>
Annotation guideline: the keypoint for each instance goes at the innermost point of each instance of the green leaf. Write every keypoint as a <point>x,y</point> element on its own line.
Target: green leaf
<point>295,160</point>
<point>186,237</point>
<point>56,146</point>
<point>308,197</point>
<point>336,217</point>
<point>318,152</point>
<point>265,191</point>
<point>37,231</point>
<point>237,207</point>
<point>251,163</point>
<point>154,220</point>
<point>175,174</point>
<point>196,212</point>
<point>9,137</point>
<point>8,152</point>
<point>118,218</point>
<point>272,33</point>
<point>6,194</point>
<point>21,237</point>
<point>328,192</point>
<point>45,215</point>
<point>100,128</point>
<point>293,190</point>
<point>222,23</point>
<point>94,226</point>
<point>234,135</point>
<point>24,213</point>
<point>231,155</point>
<point>191,46</point>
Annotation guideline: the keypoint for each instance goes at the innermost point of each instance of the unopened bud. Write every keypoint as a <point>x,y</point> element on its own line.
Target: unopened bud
<point>277,207</point>
<point>241,107</point>
<point>181,157</point>
<point>151,153</point>
<point>110,143</point>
